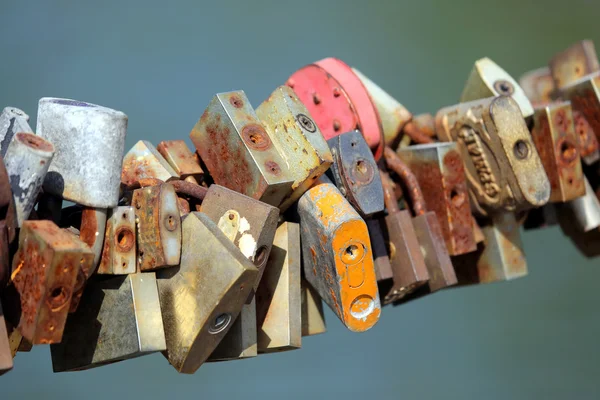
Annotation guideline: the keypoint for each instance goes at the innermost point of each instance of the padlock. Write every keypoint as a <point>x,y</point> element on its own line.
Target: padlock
<point>12,121</point>
<point>355,173</point>
<point>488,79</point>
<point>6,357</point>
<point>78,131</point>
<point>158,227</point>
<point>393,115</point>
<point>182,160</point>
<point>588,143</point>
<point>337,256</point>
<point>86,267</point>
<point>583,213</point>
<point>504,171</point>
<point>44,277</point>
<point>573,63</point>
<point>202,297</point>
<point>27,160</point>
<point>293,132</point>
<point>555,139</point>
<point>584,95</point>
<point>440,173</point>
<point>500,258</point>
<point>144,161</point>
<point>278,297</point>
<point>118,319</point>
<point>119,252</point>
<point>381,257</point>
<point>91,232</point>
<point>313,318</point>
<point>538,86</point>
<point>250,225</point>
<point>338,101</point>
<point>238,152</point>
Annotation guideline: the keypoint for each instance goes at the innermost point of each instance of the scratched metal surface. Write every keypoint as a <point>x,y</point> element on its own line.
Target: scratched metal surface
<point>161,63</point>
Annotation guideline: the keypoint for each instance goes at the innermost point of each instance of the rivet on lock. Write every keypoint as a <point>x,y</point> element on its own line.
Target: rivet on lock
<point>78,130</point>
<point>504,171</point>
<point>238,152</point>
<point>6,357</point>
<point>27,160</point>
<point>119,254</point>
<point>556,141</point>
<point>47,264</point>
<point>144,161</point>
<point>313,317</point>
<point>337,256</point>
<point>538,86</point>
<point>355,173</point>
<point>440,173</point>
<point>12,121</point>
<point>278,297</point>
<point>202,297</point>
<point>182,160</point>
<point>573,63</point>
<point>488,79</point>
<point>338,101</point>
<point>293,131</point>
<point>158,227</point>
<point>118,319</point>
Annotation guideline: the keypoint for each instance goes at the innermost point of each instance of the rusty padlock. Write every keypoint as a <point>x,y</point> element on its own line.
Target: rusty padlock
<point>313,317</point>
<point>588,143</point>
<point>440,173</point>
<point>584,95</point>
<point>291,130</point>
<point>237,151</point>
<point>182,160</point>
<point>503,169</point>
<point>201,298</point>
<point>118,319</point>
<point>158,227</point>
<point>338,101</point>
<point>538,86</point>
<point>6,357</point>
<point>573,63</point>
<point>119,253</point>
<point>355,173</point>
<point>278,297</point>
<point>86,267</point>
<point>337,256</point>
<point>144,161</point>
<point>555,139</point>
<point>48,262</point>
<point>488,79</point>
<point>12,121</point>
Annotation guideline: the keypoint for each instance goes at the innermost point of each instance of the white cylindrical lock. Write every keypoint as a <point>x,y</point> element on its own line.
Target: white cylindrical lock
<point>89,141</point>
<point>27,160</point>
<point>12,121</point>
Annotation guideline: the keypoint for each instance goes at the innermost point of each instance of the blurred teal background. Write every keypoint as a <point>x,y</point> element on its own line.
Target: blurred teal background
<point>161,62</point>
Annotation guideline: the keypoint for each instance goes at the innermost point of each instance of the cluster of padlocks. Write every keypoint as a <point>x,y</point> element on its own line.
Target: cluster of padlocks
<point>330,190</point>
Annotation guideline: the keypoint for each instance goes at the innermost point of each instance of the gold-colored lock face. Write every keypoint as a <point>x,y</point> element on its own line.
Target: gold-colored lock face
<point>574,63</point>
<point>278,298</point>
<point>296,136</point>
<point>503,169</point>
<point>313,317</point>
<point>119,254</point>
<point>556,142</point>
<point>488,79</point>
<point>118,319</point>
<point>144,161</point>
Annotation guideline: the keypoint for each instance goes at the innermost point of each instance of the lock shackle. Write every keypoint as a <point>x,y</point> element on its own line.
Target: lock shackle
<point>181,187</point>
<point>416,134</point>
<point>408,178</point>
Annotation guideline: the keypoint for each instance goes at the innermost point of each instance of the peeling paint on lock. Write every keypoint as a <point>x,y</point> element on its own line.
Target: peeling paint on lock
<point>12,121</point>
<point>337,256</point>
<point>119,253</point>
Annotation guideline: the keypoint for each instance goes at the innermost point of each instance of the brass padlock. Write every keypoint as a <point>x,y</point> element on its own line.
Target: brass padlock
<point>488,79</point>
<point>440,173</point>
<point>278,297</point>
<point>238,152</point>
<point>337,256</point>
<point>182,160</point>
<point>503,169</point>
<point>538,86</point>
<point>118,319</point>
<point>119,253</point>
<point>354,172</point>
<point>293,131</point>
<point>556,142</point>
<point>158,227</point>
<point>573,63</point>
<point>500,258</point>
<point>6,357</point>
<point>313,318</point>
<point>201,298</point>
<point>45,270</point>
<point>144,161</point>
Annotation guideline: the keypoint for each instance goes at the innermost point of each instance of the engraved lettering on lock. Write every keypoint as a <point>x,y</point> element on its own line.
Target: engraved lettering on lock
<point>482,166</point>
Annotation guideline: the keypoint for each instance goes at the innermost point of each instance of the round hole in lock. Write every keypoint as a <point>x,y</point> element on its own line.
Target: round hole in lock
<point>255,136</point>
<point>124,265</point>
<point>236,101</point>
<point>457,197</point>
<point>220,323</point>
<point>58,297</point>
<point>570,181</point>
<point>521,149</point>
<point>568,151</point>
<point>273,167</point>
<point>577,70</point>
<point>124,238</point>
<point>504,87</point>
<point>362,171</point>
<point>336,125</point>
<point>352,253</point>
<point>353,144</point>
<point>170,222</point>
<point>260,257</point>
<point>16,111</point>
<point>231,217</point>
<point>362,306</point>
<point>306,123</point>
<point>124,215</point>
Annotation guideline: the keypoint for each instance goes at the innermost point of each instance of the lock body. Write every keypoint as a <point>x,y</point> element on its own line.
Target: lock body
<point>313,317</point>
<point>12,121</point>
<point>119,252</point>
<point>182,160</point>
<point>538,86</point>
<point>144,161</point>
<point>573,63</point>
<point>297,137</point>
<point>584,95</point>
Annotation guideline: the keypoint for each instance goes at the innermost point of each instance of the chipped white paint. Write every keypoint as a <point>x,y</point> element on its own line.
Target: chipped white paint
<point>247,245</point>
<point>244,225</point>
